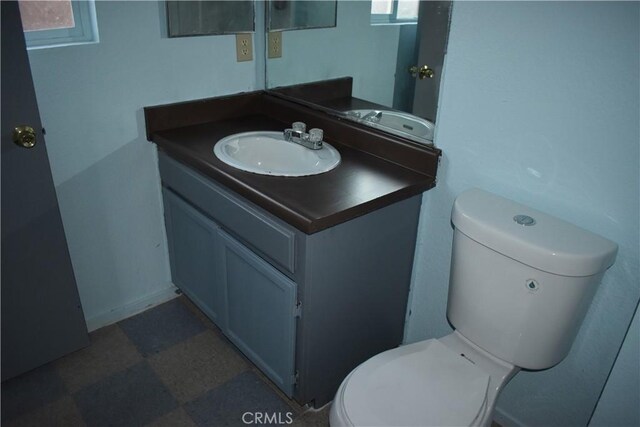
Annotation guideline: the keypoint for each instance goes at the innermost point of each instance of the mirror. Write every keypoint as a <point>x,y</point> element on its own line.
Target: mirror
<point>381,71</point>
<point>284,15</point>
<point>199,18</point>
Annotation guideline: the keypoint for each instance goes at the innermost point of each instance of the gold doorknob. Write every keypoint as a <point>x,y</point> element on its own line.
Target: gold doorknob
<point>422,72</point>
<point>425,72</point>
<point>24,136</point>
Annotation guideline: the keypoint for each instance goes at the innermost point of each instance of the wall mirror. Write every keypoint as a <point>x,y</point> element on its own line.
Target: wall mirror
<point>199,18</point>
<point>284,15</point>
<point>380,65</point>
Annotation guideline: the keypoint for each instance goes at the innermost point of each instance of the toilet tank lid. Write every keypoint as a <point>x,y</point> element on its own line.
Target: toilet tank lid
<point>549,244</point>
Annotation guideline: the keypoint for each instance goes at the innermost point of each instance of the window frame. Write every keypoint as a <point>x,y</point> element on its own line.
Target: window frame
<point>390,18</point>
<point>85,30</point>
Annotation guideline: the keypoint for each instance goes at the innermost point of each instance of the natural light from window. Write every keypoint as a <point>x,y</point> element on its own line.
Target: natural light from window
<point>46,15</point>
<point>58,22</point>
<point>394,11</point>
<point>381,7</point>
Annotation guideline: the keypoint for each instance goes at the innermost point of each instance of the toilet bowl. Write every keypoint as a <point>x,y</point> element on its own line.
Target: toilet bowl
<point>521,282</point>
<point>438,382</point>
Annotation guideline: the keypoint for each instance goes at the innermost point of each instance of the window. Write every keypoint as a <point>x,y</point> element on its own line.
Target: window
<point>394,11</point>
<point>58,23</point>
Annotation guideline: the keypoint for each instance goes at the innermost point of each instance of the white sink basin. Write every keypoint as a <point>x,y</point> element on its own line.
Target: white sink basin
<point>398,123</point>
<point>267,153</point>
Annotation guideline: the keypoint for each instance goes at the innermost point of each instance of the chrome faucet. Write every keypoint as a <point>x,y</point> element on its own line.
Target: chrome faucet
<point>297,135</point>
<point>372,116</point>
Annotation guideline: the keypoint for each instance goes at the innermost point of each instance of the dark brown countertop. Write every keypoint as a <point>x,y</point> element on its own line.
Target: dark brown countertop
<point>360,184</point>
<point>332,96</point>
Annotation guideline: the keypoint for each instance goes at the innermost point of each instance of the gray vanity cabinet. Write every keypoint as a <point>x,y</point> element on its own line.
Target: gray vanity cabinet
<point>305,308</point>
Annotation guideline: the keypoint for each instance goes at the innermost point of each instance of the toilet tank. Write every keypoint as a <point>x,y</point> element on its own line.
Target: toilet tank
<point>521,280</point>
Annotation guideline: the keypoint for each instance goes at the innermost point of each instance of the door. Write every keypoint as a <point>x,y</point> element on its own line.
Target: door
<point>433,31</point>
<point>261,311</point>
<point>192,251</point>
<point>42,318</point>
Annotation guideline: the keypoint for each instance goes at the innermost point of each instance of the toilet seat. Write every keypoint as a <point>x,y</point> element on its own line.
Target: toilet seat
<point>425,384</point>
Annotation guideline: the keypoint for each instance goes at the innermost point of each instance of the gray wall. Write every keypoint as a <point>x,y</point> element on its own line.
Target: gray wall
<point>540,104</point>
<point>105,172</point>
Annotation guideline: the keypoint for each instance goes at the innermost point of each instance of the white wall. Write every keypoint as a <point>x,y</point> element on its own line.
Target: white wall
<point>353,48</point>
<point>540,104</point>
<point>105,172</point>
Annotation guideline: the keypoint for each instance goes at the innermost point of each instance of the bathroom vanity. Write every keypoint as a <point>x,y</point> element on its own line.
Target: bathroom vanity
<point>307,276</point>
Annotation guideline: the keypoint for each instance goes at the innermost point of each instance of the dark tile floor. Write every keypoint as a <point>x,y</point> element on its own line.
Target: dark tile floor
<point>168,366</point>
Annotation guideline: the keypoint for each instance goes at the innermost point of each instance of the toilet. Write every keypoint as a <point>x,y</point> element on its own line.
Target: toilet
<point>521,282</point>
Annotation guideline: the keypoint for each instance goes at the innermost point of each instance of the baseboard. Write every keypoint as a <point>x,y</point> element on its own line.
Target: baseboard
<point>506,420</point>
<point>132,308</point>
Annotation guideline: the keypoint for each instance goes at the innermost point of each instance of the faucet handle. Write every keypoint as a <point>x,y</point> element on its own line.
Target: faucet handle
<point>299,126</point>
<point>316,135</point>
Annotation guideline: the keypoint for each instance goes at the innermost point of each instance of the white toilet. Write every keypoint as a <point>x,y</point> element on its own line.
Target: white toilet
<point>521,282</point>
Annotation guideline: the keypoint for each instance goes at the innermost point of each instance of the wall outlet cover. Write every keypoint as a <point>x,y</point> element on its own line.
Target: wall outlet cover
<point>244,47</point>
<point>274,44</point>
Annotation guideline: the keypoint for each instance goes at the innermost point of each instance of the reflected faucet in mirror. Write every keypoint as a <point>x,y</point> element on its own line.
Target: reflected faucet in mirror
<point>373,116</point>
<point>395,122</point>
<point>405,102</point>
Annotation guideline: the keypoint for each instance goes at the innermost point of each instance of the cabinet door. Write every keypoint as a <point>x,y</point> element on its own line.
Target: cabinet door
<point>261,311</point>
<point>192,251</point>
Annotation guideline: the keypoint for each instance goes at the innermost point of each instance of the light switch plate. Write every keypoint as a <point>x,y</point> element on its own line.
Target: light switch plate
<point>274,44</point>
<point>244,47</point>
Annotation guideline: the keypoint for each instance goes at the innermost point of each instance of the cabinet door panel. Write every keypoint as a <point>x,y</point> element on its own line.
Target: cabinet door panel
<point>192,251</point>
<point>261,305</point>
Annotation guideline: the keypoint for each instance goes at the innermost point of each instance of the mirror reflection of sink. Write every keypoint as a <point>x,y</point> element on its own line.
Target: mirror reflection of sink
<point>267,153</point>
<point>396,122</point>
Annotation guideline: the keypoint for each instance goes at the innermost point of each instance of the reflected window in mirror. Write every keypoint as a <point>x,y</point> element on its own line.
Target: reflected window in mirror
<point>201,18</point>
<point>394,11</point>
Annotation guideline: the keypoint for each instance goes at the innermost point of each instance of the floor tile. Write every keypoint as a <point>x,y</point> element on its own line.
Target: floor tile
<point>198,313</point>
<point>177,418</point>
<point>61,413</point>
<point>161,327</point>
<point>313,418</point>
<point>30,391</point>
<point>110,351</point>
<point>197,365</point>
<point>128,398</point>
<point>295,405</point>
<point>244,394</point>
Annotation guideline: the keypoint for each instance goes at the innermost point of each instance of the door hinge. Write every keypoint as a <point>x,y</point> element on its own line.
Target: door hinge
<point>297,310</point>
<point>295,377</point>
